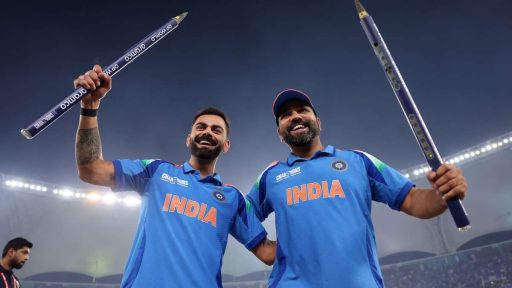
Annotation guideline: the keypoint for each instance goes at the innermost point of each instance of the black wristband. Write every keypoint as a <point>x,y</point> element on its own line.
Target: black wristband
<point>88,112</point>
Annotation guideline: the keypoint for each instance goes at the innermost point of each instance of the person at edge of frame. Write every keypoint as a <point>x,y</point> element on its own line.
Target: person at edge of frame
<point>15,254</point>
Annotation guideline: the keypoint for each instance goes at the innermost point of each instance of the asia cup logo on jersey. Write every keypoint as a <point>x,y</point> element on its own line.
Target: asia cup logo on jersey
<point>219,196</point>
<point>174,180</point>
<point>339,165</point>
<point>290,173</point>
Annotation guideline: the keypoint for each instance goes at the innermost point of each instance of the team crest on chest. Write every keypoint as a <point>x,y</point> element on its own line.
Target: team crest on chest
<point>219,196</point>
<point>339,165</point>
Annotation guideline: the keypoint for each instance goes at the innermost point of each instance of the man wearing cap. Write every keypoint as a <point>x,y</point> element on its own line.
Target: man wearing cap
<point>322,197</point>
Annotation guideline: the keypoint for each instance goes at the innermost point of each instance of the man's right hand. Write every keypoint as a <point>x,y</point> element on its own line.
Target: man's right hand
<point>97,82</point>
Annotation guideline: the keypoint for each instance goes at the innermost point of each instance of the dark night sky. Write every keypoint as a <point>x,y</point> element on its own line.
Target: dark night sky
<point>236,55</point>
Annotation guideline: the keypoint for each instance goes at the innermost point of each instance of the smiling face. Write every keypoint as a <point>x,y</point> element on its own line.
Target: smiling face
<point>298,125</point>
<point>208,137</point>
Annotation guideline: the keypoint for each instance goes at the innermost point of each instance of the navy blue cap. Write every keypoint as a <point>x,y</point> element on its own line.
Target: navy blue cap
<point>287,95</point>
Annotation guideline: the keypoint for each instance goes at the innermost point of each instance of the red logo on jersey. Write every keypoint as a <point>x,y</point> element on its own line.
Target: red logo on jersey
<point>190,208</point>
<point>313,191</point>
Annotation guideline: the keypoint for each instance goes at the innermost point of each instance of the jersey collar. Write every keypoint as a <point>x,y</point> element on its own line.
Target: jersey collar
<point>2,270</point>
<point>328,151</point>
<point>214,179</point>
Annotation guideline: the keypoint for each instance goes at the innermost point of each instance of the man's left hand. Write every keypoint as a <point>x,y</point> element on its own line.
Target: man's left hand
<point>448,181</point>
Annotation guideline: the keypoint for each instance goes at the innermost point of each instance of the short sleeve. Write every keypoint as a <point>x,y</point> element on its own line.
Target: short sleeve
<point>133,175</point>
<point>388,185</point>
<point>258,196</point>
<point>247,228</point>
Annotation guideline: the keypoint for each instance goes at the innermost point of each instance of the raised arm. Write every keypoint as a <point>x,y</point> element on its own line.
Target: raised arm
<point>447,182</point>
<point>89,159</point>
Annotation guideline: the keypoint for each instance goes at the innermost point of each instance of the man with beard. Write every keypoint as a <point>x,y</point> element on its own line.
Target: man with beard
<point>15,255</point>
<point>187,212</point>
<point>322,198</point>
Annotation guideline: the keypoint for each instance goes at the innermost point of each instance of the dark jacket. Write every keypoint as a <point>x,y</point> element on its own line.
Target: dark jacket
<point>8,279</point>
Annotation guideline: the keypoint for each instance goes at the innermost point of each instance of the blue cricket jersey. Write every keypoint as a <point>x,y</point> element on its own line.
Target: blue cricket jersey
<point>322,205</point>
<point>183,225</point>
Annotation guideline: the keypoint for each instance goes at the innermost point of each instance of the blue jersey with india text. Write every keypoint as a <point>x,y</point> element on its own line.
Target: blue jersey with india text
<point>322,205</point>
<point>183,225</point>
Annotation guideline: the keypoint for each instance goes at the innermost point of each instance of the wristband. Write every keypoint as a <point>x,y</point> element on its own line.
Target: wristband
<point>88,112</point>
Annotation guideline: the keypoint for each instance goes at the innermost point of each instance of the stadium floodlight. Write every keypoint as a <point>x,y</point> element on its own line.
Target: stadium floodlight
<point>18,183</point>
<point>25,185</point>
<point>66,193</point>
<point>110,198</point>
<point>462,157</point>
<point>93,197</point>
<point>131,201</point>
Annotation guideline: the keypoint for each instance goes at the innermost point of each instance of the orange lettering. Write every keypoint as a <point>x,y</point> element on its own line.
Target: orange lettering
<point>314,191</point>
<point>325,189</point>
<point>192,208</point>
<point>178,203</point>
<point>211,217</point>
<point>201,211</point>
<point>336,189</point>
<point>166,202</point>
<point>299,193</point>
<point>289,196</point>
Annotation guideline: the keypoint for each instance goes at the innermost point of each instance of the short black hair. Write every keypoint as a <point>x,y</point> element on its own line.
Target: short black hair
<point>212,111</point>
<point>16,244</point>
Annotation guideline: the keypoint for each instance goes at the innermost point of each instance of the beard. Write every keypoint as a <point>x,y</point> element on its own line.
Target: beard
<point>16,265</point>
<point>302,139</point>
<point>206,154</point>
